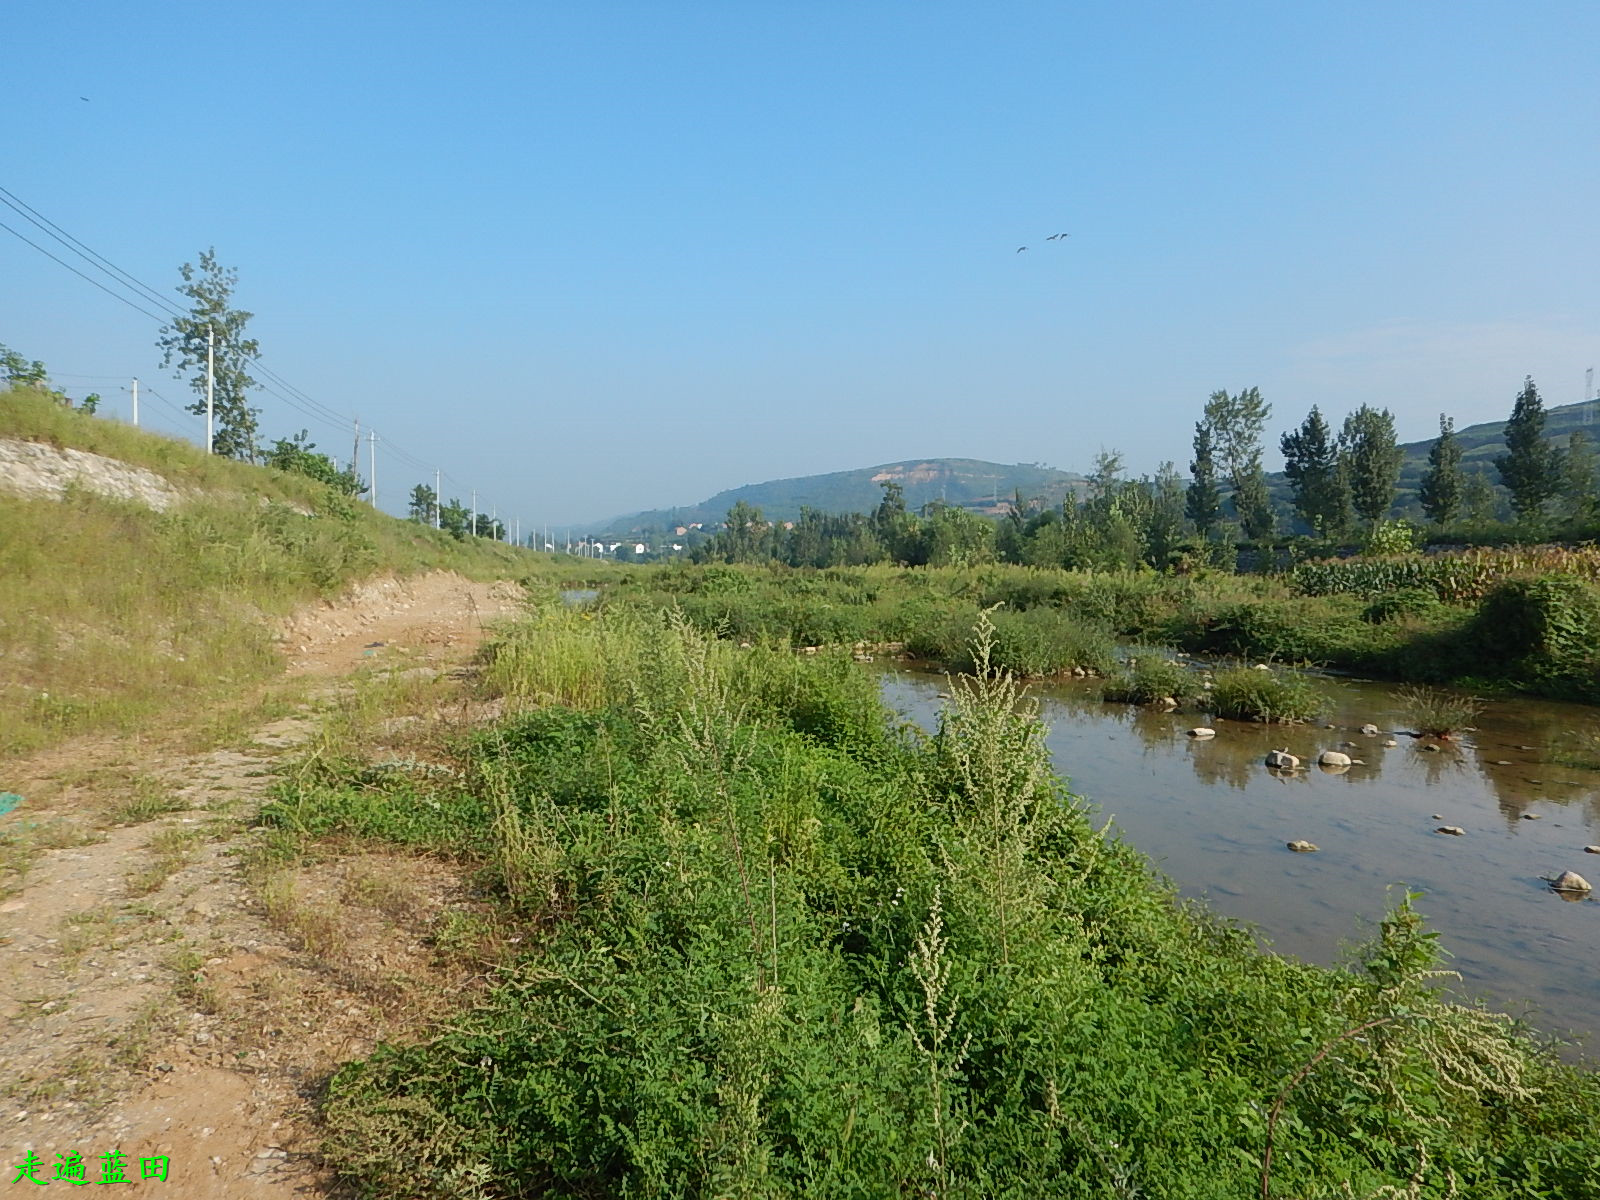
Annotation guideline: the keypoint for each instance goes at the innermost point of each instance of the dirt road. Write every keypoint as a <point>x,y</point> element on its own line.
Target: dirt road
<point>167,998</point>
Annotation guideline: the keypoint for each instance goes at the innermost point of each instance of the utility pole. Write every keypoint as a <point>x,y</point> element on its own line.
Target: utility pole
<point>136,403</point>
<point>211,370</point>
<point>436,501</point>
<point>474,512</point>
<point>372,464</point>
<point>517,523</point>
<point>494,521</point>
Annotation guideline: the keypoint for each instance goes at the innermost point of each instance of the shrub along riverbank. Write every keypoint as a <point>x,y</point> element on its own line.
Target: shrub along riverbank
<point>773,943</point>
<point>1526,627</point>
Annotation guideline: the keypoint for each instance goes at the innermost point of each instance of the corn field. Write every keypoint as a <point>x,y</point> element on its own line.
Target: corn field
<point>1462,577</point>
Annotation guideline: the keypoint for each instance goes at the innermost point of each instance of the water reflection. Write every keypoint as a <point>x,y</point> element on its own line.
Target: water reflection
<point>1217,821</point>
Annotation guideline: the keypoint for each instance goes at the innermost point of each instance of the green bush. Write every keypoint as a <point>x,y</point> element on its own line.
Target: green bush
<point>1545,630</point>
<point>1396,605</point>
<point>1251,694</point>
<point>1152,677</point>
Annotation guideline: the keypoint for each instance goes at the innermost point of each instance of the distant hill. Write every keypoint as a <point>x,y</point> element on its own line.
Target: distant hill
<point>1483,443</point>
<point>965,482</point>
<point>984,486</point>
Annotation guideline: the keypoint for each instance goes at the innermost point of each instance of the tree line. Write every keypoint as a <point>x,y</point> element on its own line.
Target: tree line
<point>1341,488</point>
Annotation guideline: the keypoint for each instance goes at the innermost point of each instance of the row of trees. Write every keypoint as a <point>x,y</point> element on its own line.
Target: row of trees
<point>1342,488</point>
<point>454,517</point>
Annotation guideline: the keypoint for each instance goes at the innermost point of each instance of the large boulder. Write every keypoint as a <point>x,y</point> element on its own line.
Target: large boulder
<point>1282,760</point>
<point>1570,881</point>
<point>1334,758</point>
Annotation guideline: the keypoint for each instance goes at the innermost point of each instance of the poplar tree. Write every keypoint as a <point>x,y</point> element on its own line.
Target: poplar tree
<point>1371,459</point>
<point>1531,467</point>
<point>1578,500</point>
<point>1311,463</point>
<point>1203,501</point>
<point>1442,487</point>
<point>209,289</point>
<point>1236,423</point>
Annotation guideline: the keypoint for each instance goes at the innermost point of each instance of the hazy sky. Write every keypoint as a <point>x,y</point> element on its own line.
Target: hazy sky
<point>593,257</point>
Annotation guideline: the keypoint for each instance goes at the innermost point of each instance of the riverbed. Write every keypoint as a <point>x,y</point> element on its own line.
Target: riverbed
<point>1217,822</point>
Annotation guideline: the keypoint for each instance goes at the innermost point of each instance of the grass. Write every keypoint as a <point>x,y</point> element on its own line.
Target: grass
<point>1251,694</point>
<point>312,925</point>
<point>165,855</point>
<point>1152,678</point>
<point>1436,713</point>
<point>143,799</point>
<point>119,617</point>
<point>767,943</point>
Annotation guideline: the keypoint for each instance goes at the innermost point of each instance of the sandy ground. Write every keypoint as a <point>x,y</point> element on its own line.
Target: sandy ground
<point>153,1002</point>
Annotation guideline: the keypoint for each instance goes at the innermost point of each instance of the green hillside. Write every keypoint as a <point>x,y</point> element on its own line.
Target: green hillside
<point>1480,444</point>
<point>967,482</point>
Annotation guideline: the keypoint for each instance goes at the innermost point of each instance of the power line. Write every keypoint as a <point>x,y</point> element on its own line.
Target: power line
<point>273,384</point>
<point>79,273</point>
<point>17,204</point>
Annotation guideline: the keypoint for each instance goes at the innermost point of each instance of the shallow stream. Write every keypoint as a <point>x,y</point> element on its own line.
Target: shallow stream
<point>1217,822</point>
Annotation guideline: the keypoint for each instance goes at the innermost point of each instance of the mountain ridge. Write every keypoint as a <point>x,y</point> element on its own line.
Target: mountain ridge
<point>985,486</point>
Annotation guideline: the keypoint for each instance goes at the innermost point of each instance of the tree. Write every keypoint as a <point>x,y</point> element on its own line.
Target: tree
<point>1478,500</point>
<point>209,289</point>
<point>1203,501</point>
<point>1578,500</point>
<point>1531,467</point>
<point>299,456</point>
<point>424,504</point>
<point>1236,423</point>
<point>21,372</point>
<point>455,518</point>
<point>744,535</point>
<point>1442,487</point>
<point>1165,532</point>
<point>1311,462</point>
<point>1371,459</point>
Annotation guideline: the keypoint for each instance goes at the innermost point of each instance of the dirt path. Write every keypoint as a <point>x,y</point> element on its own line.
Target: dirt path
<point>160,996</point>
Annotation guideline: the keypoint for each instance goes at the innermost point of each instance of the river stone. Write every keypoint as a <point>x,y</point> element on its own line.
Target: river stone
<point>1370,730</point>
<point>1532,817</point>
<point>1333,758</point>
<point>1282,760</point>
<point>1201,733</point>
<point>1452,830</point>
<point>1570,881</point>
<point>1303,847</point>
<point>1390,742</point>
<point>1591,849</point>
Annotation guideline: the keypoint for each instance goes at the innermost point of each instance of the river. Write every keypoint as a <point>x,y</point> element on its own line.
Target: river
<point>1216,821</point>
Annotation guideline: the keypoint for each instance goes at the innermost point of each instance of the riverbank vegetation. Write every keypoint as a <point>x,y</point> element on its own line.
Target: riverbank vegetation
<point>761,939</point>
<point>1488,620</point>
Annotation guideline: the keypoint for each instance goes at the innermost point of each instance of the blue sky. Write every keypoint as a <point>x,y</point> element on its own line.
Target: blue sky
<point>595,257</point>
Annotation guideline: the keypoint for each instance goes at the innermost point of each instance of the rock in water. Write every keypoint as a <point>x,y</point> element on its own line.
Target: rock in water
<point>1370,730</point>
<point>1390,742</point>
<point>1282,760</point>
<point>1452,830</point>
<point>1591,849</point>
<point>1201,733</point>
<point>1570,881</point>
<point>1333,758</point>
<point>1301,847</point>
